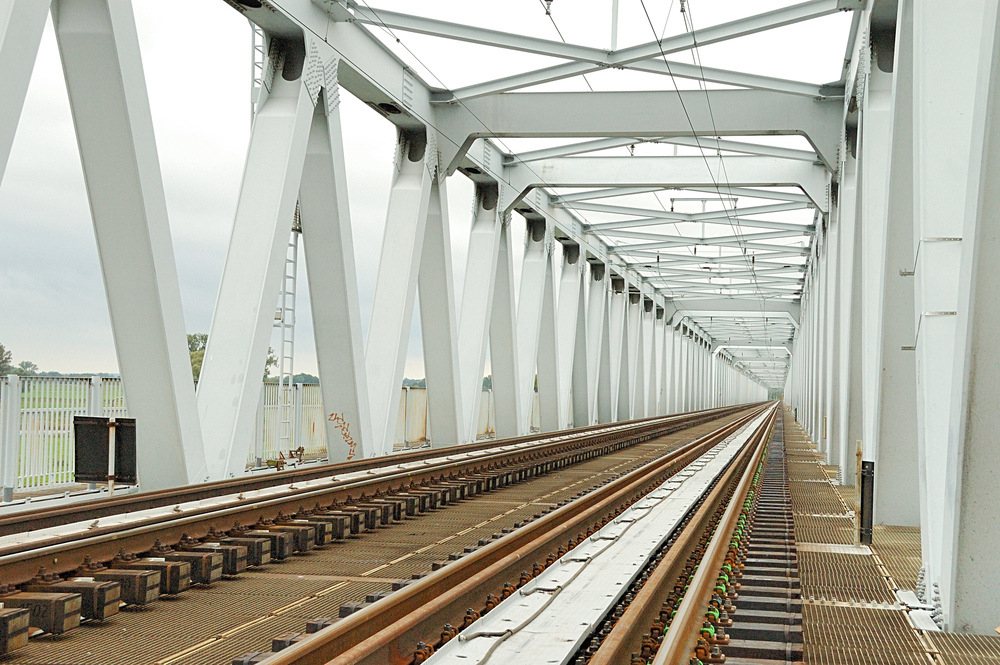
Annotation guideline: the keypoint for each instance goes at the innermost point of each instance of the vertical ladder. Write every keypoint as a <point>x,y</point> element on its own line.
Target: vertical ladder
<point>258,59</point>
<point>284,319</point>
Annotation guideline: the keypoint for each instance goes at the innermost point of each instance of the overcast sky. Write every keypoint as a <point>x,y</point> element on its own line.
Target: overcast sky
<point>196,55</point>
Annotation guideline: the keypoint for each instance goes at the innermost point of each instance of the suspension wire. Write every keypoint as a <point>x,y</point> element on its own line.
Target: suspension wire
<point>697,58</point>
<point>489,130</point>
<point>739,236</point>
<point>559,32</point>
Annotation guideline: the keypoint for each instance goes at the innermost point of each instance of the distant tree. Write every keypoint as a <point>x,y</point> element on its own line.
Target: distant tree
<point>488,382</point>
<point>305,378</point>
<point>196,359</point>
<point>197,342</point>
<point>6,360</point>
<point>196,349</point>
<point>272,361</point>
<point>27,368</point>
<point>414,383</point>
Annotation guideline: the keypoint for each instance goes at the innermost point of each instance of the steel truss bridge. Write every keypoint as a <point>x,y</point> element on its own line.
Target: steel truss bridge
<point>852,272</point>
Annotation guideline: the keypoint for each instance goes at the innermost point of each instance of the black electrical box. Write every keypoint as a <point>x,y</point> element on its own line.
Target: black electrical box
<point>92,449</point>
<point>93,443</point>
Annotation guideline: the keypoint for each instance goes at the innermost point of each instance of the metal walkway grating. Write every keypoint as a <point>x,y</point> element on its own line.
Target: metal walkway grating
<point>843,577</point>
<point>859,636</point>
<point>814,529</point>
<point>958,649</point>
<point>898,547</point>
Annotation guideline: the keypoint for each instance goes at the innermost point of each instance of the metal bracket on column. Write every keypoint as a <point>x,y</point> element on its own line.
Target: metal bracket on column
<point>867,502</point>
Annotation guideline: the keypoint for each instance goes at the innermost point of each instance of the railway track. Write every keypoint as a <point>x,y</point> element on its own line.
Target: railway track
<point>201,532</point>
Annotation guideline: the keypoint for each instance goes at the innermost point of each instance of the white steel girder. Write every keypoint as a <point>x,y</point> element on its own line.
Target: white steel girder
<point>707,143</point>
<point>604,410</point>
<point>371,72</point>
<point>99,49</point>
<point>847,339</point>
<point>504,342</point>
<point>971,517</point>
<point>229,387</point>
<point>597,326</point>
<point>569,311</point>
<point>580,386</point>
<point>641,114</point>
<point>536,276</point>
<point>707,171</point>
<point>617,341</point>
<point>942,140</point>
<point>663,47</point>
<point>325,218</point>
<point>584,54</point>
<point>477,300</point>
<point>894,421</point>
<point>549,343</point>
<point>439,327</point>
<point>396,285</point>
<point>21,25</point>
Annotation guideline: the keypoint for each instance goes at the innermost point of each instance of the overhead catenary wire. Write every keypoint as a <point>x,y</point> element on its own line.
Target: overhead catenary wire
<point>382,25</point>
<point>696,56</point>
<point>689,26</point>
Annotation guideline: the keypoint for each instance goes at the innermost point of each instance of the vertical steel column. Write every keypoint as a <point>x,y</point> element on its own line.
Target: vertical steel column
<point>10,435</point>
<point>607,365</point>
<point>946,40</point>
<point>677,371</point>
<point>648,359</point>
<point>439,325</point>
<point>535,268</point>
<point>628,397</point>
<point>99,49</point>
<point>971,516</point>
<point>21,26</point>
<point>396,286</point>
<point>656,382</point>
<point>598,358</point>
<point>889,436</point>
<point>567,314</point>
<point>549,418</point>
<point>666,367</point>
<point>503,342</point>
<point>580,376</point>
<point>846,343</point>
<point>328,242</point>
<point>617,342</point>
<point>684,378</point>
<point>830,415</point>
<point>477,300</point>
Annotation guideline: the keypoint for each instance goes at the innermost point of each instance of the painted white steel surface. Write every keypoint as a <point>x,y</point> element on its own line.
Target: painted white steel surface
<point>551,616</point>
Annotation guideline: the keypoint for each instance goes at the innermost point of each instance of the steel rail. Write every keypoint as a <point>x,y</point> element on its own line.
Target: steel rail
<point>99,508</point>
<point>678,644</point>
<point>20,562</point>
<point>627,635</point>
<point>388,631</point>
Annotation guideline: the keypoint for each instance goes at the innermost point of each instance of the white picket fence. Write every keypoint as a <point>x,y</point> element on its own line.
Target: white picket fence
<point>36,424</point>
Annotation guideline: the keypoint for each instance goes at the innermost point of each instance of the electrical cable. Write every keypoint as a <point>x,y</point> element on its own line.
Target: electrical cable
<point>738,234</point>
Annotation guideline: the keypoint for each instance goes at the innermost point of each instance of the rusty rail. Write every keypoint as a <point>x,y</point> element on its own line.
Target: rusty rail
<point>19,563</point>
<point>626,637</point>
<point>93,510</point>
<point>678,643</point>
<point>388,631</point>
